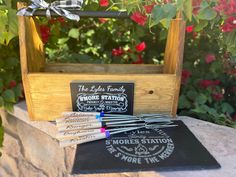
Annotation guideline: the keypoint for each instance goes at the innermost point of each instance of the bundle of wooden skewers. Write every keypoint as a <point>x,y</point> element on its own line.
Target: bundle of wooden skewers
<point>79,127</point>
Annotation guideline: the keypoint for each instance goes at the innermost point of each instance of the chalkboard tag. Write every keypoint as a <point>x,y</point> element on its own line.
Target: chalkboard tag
<point>109,97</point>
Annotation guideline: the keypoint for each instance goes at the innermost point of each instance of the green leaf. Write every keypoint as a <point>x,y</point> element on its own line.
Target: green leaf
<point>11,62</point>
<point>74,33</point>
<point>180,5</point>
<point>18,91</point>
<point>9,96</point>
<point>1,102</point>
<point>9,106</point>
<point>207,14</point>
<point>62,40</point>
<point>163,13</point>
<point>227,108</point>
<point>188,9</point>
<point>192,95</point>
<point>201,25</point>
<point>1,85</point>
<point>201,99</point>
<point>8,23</point>
<point>183,102</point>
<point>1,135</point>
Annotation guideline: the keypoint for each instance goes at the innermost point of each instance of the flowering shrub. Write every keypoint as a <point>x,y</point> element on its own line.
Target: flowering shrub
<point>208,82</point>
<point>208,78</point>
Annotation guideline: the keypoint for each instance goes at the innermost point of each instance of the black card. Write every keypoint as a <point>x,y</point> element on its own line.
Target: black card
<point>109,97</point>
<point>147,149</point>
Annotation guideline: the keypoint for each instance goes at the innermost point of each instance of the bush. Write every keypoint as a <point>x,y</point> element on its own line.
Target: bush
<point>208,79</point>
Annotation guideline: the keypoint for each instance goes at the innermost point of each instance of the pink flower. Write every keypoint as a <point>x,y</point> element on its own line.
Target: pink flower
<point>189,29</point>
<point>141,47</point>
<point>185,76</point>
<point>139,18</point>
<point>104,3</point>
<point>217,96</point>
<point>210,58</point>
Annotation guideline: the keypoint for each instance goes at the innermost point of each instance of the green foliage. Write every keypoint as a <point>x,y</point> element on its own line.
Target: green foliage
<point>98,40</point>
<point>1,134</point>
<point>8,22</point>
<point>10,86</point>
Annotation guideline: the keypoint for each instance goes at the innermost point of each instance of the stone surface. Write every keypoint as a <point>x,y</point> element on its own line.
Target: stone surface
<point>30,150</point>
<point>42,150</point>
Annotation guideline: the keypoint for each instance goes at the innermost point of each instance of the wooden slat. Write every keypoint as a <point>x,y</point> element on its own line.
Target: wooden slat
<point>175,47</point>
<point>31,45</point>
<point>174,54</point>
<point>104,68</point>
<point>51,92</point>
<point>31,52</point>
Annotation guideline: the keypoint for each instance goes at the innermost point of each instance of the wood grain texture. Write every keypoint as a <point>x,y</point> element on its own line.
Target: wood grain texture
<point>31,53</point>
<point>51,92</point>
<point>31,45</point>
<point>104,68</point>
<point>174,54</point>
<point>47,86</point>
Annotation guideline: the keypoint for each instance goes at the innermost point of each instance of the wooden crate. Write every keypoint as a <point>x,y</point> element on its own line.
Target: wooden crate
<point>47,86</point>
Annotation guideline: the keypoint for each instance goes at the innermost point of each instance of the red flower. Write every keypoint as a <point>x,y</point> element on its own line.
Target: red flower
<point>118,52</point>
<point>139,61</point>
<point>229,25</point>
<point>232,72</point>
<point>12,84</point>
<point>189,29</point>
<point>45,32</point>
<point>216,82</point>
<point>210,58</point>
<point>104,3</point>
<point>196,6</point>
<point>148,8</point>
<point>208,83</point>
<point>58,19</point>
<point>103,20</point>
<point>227,7</point>
<point>141,47</point>
<point>233,89</point>
<point>234,118</point>
<point>139,18</point>
<point>185,75</point>
<point>217,96</point>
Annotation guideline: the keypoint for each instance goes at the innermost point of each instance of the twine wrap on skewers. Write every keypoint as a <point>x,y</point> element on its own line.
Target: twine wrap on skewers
<point>62,8</point>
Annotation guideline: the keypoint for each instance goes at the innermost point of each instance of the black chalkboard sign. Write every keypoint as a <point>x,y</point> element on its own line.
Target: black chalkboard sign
<point>166,149</point>
<point>109,97</point>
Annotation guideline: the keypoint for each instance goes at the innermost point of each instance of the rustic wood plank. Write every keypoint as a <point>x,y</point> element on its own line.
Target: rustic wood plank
<point>31,53</point>
<point>175,47</point>
<point>104,68</point>
<point>174,54</point>
<point>31,45</point>
<point>51,92</point>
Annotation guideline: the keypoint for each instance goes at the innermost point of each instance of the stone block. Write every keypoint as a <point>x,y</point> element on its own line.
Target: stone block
<point>41,150</point>
<point>8,121</point>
